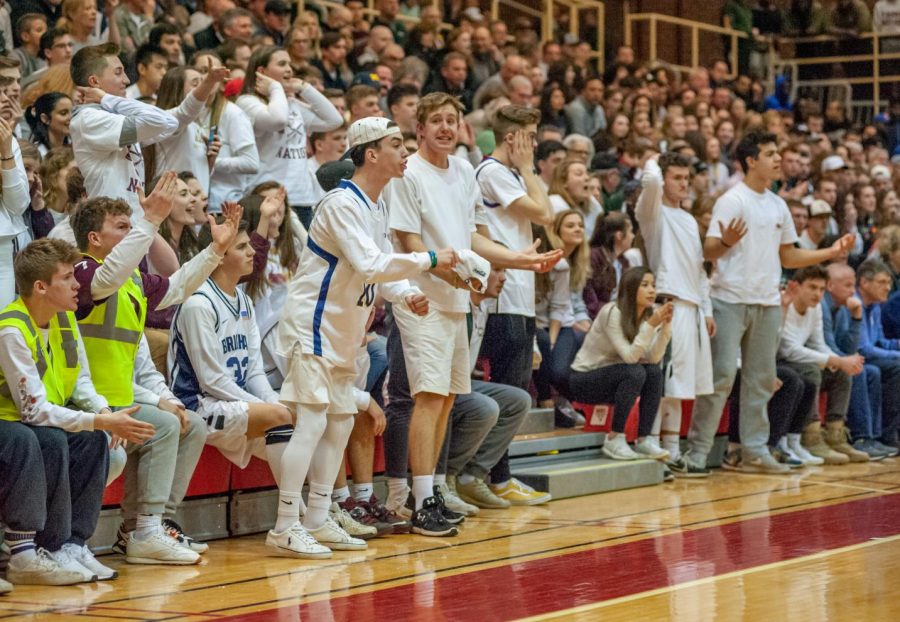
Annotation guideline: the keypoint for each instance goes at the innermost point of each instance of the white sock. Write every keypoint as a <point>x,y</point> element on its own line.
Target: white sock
<point>274,451</point>
<point>422,488</point>
<point>362,492</point>
<point>317,506</point>
<point>440,479</point>
<point>289,509</point>
<point>672,444</point>
<point>147,525</point>
<point>398,490</point>
<point>465,479</point>
<point>340,494</point>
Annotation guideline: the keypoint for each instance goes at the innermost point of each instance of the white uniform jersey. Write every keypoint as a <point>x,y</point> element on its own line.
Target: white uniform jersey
<point>330,297</point>
<point>215,350</point>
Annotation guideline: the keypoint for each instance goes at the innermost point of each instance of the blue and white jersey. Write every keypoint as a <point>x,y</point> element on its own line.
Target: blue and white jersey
<point>214,349</point>
<point>330,297</point>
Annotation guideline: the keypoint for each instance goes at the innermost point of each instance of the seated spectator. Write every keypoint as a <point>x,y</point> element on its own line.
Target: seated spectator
<point>333,63</point>
<point>579,147</point>
<point>619,362</point>
<point>815,233</point>
<point>152,64</point>
<point>585,113</point>
<point>613,236</point>
<point>54,172</point>
<point>452,78</point>
<point>134,23</point>
<point>49,118</point>
<point>29,30</point>
<point>548,155</point>
<point>803,349</point>
<point>570,190</point>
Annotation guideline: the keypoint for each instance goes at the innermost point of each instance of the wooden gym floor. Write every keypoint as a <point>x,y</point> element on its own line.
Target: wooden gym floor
<point>814,546</point>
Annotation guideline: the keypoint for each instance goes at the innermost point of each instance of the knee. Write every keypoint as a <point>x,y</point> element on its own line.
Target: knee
<point>166,425</point>
<point>53,443</point>
<point>635,375</point>
<point>310,422</point>
<point>518,403</point>
<point>197,430</point>
<point>340,425</point>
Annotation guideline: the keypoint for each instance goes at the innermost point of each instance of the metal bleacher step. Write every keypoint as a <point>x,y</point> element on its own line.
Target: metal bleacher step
<point>538,420</point>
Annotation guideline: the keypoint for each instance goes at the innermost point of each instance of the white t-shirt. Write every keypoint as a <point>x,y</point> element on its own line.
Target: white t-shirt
<point>439,205</point>
<point>238,159</point>
<point>750,272</point>
<point>500,187</point>
<point>559,204</point>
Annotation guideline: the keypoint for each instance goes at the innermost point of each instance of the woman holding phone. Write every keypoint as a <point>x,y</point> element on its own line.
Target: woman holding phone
<point>620,362</point>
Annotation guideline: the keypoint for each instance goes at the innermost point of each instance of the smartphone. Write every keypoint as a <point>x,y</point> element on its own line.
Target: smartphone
<point>664,299</point>
<point>212,134</point>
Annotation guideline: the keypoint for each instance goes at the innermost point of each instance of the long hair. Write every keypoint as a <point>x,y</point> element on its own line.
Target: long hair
<point>57,78</point>
<point>55,161</point>
<point>627,301</point>
<point>559,182</point>
<point>258,59</point>
<point>188,244</point>
<point>170,95</point>
<point>43,106</point>
<point>579,259</point>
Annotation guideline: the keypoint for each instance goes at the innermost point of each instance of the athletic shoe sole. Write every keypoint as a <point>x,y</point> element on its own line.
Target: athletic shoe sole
<point>279,551</point>
<point>161,562</point>
<point>453,531</point>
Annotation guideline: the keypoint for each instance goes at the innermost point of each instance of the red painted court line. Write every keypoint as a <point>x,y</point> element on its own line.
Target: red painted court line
<point>565,581</point>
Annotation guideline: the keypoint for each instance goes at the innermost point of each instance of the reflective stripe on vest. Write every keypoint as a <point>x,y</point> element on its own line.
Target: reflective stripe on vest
<point>112,332</point>
<point>56,361</point>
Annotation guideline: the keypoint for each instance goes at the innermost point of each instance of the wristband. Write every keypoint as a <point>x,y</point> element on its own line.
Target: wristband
<point>433,257</point>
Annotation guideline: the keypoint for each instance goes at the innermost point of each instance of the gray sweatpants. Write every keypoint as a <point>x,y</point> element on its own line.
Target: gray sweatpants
<point>158,472</point>
<point>752,330</point>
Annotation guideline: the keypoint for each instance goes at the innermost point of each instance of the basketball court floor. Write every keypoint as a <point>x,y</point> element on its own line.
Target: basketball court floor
<point>814,546</point>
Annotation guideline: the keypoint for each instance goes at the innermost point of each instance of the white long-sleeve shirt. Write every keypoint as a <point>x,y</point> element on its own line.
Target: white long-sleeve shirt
<point>215,350</point>
<point>348,253</point>
<point>185,148</point>
<point>149,385</point>
<point>674,250</point>
<point>15,198</point>
<point>281,128</point>
<point>238,160</point>
<point>803,338</point>
<point>106,139</point>
<point>31,396</point>
<point>556,304</point>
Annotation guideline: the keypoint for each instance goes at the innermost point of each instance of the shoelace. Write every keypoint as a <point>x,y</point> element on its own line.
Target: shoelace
<point>304,536</point>
<point>45,561</point>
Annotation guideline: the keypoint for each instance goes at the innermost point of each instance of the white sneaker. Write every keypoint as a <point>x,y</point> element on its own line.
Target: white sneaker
<point>295,541</point>
<point>5,587</point>
<point>793,445</point>
<point>84,556</point>
<point>398,507</point>
<point>672,444</point>
<point>617,448</point>
<point>335,538</point>
<point>453,503</point>
<point>160,548</point>
<point>648,447</point>
<point>42,569</point>
<point>66,560</point>
<point>356,529</point>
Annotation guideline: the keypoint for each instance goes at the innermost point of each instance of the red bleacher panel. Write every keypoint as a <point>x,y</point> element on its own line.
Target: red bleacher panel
<point>114,492</point>
<point>212,475</point>
<point>256,475</point>
<point>605,423</point>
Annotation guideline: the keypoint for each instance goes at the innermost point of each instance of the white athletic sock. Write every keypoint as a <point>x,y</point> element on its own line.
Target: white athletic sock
<point>440,478</point>
<point>465,479</point>
<point>21,543</point>
<point>398,490</point>
<point>422,488</point>
<point>147,525</point>
<point>289,509</point>
<point>672,444</point>
<point>362,492</point>
<point>317,506</point>
<point>340,494</point>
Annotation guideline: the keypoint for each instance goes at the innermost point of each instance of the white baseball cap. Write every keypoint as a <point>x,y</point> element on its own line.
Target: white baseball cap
<point>880,171</point>
<point>473,269</point>
<point>370,129</point>
<point>833,163</point>
<point>819,208</point>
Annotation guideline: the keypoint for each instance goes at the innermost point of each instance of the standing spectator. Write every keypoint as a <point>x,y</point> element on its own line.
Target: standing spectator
<point>388,10</point>
<point>486,58</point>
<point>151,64</point>
<point>738,15</point>
<point>402,100</point>
<point>816,228</point>
<point>849,18</point>
<point>751,236</point>
<point>768,24</point>
<point>56,49</point>
<point>553,106</point>
<point>333,63</point>
<point>134,19</point>
<point>452,78</point>
<point>14,198</point>
<point>547,156</point>
<point>276,20</point>
<point>620,362</point>
<point>585,113</point>
<point>233,24</point>
<point>804,18</point>
<point>281,123</point>
<point>79,17</point>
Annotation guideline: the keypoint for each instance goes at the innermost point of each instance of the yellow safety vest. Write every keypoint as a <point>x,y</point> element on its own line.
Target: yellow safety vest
<point>56,361</point>
<point>111,334</point>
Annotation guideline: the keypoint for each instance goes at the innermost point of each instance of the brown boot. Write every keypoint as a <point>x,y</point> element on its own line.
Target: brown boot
<point>838,438</point>
<point>814,443</point>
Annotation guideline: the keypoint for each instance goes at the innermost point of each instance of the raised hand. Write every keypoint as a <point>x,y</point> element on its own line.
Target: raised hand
<point>661,315</point>
<point>223,235</point>
<point>734,232</point>
<point>842,247</point>
<point>37,194</point>
<point>538,262</point>
<point>263,83</point>
<point>158,205</point>
<point>6,138</point>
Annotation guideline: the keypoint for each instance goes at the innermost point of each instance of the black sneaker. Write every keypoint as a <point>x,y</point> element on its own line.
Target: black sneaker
<point>732,460</point>
<point>175,531</point>
<point>121,540</point>
<point>668,476</point>
<point>429,521</point>
<point>454,518</point>
<point>563,419</point>
<point>683,468</point>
